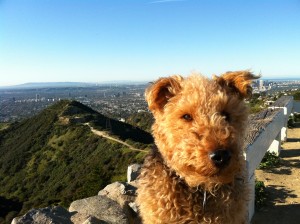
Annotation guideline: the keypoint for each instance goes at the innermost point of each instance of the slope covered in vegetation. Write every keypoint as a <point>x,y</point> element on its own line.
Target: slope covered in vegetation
<point>143,120</point>
<point>54,158</point>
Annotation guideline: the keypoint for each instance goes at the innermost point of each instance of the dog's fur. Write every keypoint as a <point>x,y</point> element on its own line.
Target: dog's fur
<point>194,117</point>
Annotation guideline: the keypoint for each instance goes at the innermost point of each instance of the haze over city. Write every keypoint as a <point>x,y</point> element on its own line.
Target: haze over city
<point>96,41</point>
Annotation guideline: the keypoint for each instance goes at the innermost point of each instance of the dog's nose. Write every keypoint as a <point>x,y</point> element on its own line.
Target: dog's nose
<point>220,157</point>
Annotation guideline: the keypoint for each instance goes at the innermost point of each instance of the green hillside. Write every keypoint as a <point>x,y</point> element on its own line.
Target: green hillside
<point>54,158</point>
<point>143,120</point>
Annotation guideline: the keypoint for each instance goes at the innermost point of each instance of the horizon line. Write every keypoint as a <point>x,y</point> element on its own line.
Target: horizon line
<point>119,81</point>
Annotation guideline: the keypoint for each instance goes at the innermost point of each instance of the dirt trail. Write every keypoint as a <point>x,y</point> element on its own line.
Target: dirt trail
<point>105,135</point>
<point>282,185</point>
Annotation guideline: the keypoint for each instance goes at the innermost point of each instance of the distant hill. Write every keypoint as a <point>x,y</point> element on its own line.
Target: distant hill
<point>48,85</point>
<point>36,85</point>
<point>55,158</point>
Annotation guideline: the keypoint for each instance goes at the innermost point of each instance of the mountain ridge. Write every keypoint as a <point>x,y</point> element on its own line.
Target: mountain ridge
<point>53,158</point>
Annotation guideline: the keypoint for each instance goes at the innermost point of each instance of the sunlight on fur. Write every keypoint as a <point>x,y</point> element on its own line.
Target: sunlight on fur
<point>196,173</point>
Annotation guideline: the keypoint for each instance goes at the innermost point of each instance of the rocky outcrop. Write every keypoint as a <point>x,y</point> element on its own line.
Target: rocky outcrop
<point>124,194</point>
<point>121,192</point>
<point>113,204</point>
<point>100,207</point>
<point>55,215</point>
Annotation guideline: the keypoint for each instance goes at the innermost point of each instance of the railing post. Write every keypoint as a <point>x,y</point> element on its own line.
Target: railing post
<point>276,145</point>
<point>283,134</point>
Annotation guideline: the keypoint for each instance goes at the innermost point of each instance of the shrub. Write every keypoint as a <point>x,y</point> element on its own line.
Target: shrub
<point>291,121</point>
<point>270,160</point>
<point>296,95</point>
<point>296,117</point>
<point>260,194</point>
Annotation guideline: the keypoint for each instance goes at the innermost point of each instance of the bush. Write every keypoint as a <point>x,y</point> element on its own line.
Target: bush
<point>260,194</point>
<point>270,160</point>
<point>255,106</point>
<point>291,122</point>
<point>296,95</point>
<point>296,117</point>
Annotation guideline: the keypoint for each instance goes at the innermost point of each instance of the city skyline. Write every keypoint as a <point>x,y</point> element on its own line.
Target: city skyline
<point>100,41</point>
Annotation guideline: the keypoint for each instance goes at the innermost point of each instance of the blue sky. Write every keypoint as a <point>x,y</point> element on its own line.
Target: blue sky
<point>94,40</point>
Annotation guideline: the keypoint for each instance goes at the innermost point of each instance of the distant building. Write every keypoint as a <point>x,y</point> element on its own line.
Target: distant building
<point>37,97</point>
<point>261,85</point>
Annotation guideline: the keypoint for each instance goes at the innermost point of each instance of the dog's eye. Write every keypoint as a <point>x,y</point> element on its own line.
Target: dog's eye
<point>187,117</point>
<point>226,116</point>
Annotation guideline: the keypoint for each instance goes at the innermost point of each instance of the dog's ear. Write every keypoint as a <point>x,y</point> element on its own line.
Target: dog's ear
<point>158,94</point>
<point>238,82</point>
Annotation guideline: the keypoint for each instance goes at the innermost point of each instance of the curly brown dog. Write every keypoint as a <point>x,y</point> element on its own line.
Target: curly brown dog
<point>197,173</point>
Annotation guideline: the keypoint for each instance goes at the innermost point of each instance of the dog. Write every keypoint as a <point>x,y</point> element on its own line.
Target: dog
<point>196,172</point>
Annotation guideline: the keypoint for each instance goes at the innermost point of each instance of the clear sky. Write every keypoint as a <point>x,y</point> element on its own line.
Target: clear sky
<point>97,40</point>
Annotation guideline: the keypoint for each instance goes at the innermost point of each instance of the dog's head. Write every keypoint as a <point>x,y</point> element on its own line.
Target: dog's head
<point>199,124</point>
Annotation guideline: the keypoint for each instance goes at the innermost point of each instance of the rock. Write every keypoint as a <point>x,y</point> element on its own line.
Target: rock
<point>133,206</point>
<point>53,215</point>
<point>114,204</point>
<point>100,207</point>
<point>125,195</point>
<point>78,218</point>
<point>133,171</point>
<point>121,192</point>
<point>93,220</point>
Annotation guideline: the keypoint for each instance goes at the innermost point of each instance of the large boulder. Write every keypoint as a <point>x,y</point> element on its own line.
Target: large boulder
<point>124,194</point>
<point>100,207</point>
<point>53,215</point>
<point>121,192</point>
<point>84,219</point>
